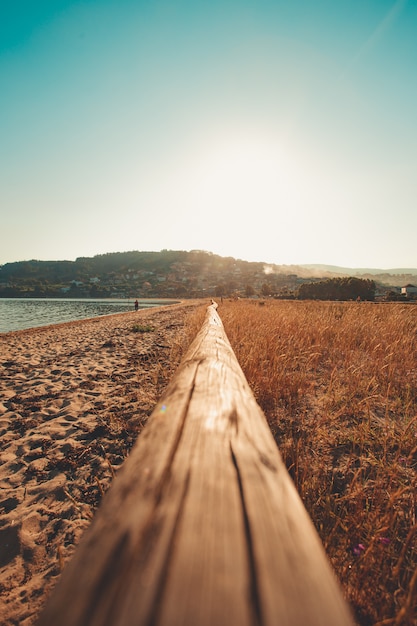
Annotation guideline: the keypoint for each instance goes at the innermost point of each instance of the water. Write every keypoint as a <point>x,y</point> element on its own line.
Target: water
<point>20,313</point>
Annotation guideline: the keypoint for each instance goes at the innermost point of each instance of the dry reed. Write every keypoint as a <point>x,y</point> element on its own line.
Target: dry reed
<point>338,385</point>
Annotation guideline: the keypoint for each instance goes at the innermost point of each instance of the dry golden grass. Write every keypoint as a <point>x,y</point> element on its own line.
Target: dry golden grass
<point>338,384</point>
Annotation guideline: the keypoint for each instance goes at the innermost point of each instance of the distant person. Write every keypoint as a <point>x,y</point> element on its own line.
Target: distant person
<point>136,305</point>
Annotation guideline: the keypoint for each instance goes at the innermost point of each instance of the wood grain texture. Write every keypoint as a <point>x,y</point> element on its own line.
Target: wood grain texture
<point>202,526</point>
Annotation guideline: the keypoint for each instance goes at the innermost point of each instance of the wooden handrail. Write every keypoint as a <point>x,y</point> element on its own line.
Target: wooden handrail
<point>202,526</point>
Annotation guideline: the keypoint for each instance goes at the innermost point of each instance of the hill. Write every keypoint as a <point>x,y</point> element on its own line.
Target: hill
<point>395,277</point>
<point>168,273</point>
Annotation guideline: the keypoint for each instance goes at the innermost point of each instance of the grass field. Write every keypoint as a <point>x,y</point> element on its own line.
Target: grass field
<point>338,385</point>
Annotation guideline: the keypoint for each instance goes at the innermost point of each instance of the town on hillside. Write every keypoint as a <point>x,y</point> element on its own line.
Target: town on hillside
<point>193,274</point>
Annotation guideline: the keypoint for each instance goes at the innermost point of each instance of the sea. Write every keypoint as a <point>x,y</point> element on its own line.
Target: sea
<point>22,313</point>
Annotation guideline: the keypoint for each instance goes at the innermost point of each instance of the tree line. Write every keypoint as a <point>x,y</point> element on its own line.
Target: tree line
<point>346,288</point>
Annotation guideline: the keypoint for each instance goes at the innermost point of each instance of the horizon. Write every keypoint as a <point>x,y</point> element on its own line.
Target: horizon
<point>273,131</point>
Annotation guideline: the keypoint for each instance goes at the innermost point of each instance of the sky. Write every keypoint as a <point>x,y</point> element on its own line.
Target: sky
<point>265,130</point>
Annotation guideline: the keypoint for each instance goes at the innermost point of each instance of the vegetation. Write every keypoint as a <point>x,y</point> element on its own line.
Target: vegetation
<point>172,273</point>
<point>140,328</point>
<point>130,274</point>
<point>347,288</point>
<point>338,385</point>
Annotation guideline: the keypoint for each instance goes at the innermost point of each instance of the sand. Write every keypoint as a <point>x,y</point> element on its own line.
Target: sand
<point>73,399</point>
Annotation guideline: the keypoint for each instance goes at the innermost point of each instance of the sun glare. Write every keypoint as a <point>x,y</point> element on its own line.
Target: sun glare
<point>240,193</point>
<point>241,172</point>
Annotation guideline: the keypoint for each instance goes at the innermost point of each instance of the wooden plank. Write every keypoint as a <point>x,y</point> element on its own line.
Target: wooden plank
<point>202,526</point>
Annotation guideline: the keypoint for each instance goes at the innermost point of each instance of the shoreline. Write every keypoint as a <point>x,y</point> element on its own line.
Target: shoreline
<point>75,396</point>
<point>18,318</point>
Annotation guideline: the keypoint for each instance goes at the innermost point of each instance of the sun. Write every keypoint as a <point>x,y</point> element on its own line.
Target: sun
<point>244,172</point>
<point>233,192</point>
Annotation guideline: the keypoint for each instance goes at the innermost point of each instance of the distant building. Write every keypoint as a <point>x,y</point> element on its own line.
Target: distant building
<point>409,290</point>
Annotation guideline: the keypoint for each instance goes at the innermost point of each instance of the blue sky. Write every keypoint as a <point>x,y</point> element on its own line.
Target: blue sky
<point>274,131</point>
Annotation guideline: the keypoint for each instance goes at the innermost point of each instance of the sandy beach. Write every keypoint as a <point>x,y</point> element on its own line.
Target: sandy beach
<point>73,399</point>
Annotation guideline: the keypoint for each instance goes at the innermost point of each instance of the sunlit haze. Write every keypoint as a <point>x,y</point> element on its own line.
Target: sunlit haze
<point>267,130</point>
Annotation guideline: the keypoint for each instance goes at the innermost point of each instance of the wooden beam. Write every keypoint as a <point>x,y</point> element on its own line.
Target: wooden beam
<point>202,526</point>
